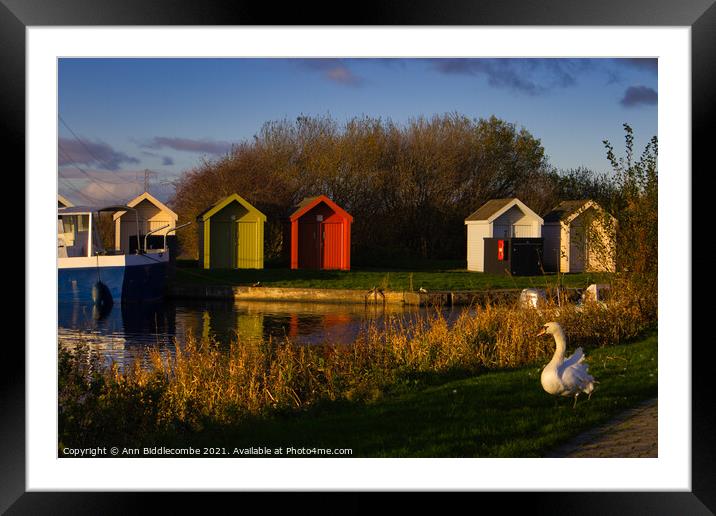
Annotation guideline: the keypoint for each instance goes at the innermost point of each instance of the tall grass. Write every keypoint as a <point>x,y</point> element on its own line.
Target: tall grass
<point>202,384</point>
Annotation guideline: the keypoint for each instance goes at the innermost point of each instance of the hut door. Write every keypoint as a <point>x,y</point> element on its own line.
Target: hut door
<point>309,247</point>
<point>332,245</point>
<point>223,241</point>
<point>248,237</point>
<point>577,248</point>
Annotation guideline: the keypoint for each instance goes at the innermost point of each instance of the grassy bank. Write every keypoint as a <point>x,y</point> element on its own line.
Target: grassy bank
<point>496,414</point>
<point>187,272</point>
<point>492,355</point>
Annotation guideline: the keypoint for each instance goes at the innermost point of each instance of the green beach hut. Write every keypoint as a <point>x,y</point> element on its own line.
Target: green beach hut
<point>231,235</point>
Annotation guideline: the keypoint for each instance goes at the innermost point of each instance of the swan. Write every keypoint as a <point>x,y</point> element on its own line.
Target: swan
<point>565,377</point>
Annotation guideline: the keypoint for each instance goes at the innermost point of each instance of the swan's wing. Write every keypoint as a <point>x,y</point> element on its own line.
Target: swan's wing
<point>577,376</point>
<point>576,358</point>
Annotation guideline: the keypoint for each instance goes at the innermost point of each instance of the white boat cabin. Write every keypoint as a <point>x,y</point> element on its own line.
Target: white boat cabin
<point>76,235</point>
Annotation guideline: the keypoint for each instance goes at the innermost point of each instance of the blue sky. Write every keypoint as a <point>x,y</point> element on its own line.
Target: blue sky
<point>120,117</point>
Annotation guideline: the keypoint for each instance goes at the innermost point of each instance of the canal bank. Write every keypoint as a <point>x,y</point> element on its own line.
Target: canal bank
<point>356,296</point>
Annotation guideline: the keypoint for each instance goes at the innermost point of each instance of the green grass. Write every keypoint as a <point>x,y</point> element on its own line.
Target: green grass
<point>496,414</point>
<point>366,278</point>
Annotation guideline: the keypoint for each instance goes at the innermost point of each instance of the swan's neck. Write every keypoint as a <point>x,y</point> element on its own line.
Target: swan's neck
<point>561,342</point>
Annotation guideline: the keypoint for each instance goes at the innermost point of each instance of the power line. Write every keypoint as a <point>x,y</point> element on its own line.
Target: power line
<point>78,192</point>
<point>68,158</point>
<point>87,197</point>
<point>101,162</point>
<point>66,181</point>
<point>147,173</point>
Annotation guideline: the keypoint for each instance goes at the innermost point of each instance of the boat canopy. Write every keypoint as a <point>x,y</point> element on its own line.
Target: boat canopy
<point>117,207</point>
<point>81,210</point>
<point>78,235</point>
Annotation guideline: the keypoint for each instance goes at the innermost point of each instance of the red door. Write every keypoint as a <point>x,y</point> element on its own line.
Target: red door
<point>332,245</point>
<point>309,245</point>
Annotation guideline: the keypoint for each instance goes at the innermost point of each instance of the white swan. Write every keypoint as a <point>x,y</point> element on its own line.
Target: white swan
<point>565,377</point>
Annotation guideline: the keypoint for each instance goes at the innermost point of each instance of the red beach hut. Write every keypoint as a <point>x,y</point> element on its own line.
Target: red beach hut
<point>320,235</point>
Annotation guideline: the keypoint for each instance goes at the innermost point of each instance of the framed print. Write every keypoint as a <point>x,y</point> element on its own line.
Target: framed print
<point>120,68</point>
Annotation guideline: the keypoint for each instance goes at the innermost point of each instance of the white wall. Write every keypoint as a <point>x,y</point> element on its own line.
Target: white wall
<point>150,217</point>
<point>515,223</point>
<point>476,232</point>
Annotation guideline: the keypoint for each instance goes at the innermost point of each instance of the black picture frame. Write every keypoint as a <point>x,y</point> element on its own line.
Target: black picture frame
<point>700,15</point>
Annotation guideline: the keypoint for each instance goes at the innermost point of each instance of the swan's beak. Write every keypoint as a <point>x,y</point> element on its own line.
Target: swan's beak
<point>543,331</point>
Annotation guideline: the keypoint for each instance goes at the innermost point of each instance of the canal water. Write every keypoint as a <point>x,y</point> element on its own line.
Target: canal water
<point>128,331</point>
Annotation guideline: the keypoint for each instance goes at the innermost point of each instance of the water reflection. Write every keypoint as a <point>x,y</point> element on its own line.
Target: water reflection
<point>130,330</point>
<point>124,332</point>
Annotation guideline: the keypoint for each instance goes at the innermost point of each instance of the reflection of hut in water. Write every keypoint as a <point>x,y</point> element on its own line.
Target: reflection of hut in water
<point>250,326</point>
<point>82,317</point>
<point>330,320</point>
<point>137,324</point>
<point>127,331</point>
<point>299,324</point>
<point>323,326</point>
<point>293,326</point>
<point>205,326</point>
<point>222,322</point>
<point>145,321</point>
<point>194,321</point>
<point>254,321</point>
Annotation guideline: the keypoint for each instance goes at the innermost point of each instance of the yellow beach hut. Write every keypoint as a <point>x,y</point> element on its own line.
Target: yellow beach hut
<point>231,235</point>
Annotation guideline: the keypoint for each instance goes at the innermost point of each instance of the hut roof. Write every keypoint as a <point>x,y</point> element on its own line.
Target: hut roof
<point>566,211</point>
<point>309,202</point>
<point>496,207</point>
<point>64,200</point>
<point>148,197</point>
<point>222,203</point>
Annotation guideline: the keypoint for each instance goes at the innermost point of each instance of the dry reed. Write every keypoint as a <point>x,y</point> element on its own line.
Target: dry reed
<point>202,383</point>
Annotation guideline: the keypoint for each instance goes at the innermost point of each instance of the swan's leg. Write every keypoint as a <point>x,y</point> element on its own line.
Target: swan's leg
<point>575,401</point>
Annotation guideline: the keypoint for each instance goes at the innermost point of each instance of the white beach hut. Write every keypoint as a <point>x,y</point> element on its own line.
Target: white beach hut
<point>579,236</point>
<point>498,218</point>
<point>152,214</point>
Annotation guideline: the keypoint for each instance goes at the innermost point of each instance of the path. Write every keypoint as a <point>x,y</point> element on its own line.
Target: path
<point>633,433</point>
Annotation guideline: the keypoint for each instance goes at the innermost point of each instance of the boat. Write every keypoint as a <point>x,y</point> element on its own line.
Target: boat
<point>88,273</point>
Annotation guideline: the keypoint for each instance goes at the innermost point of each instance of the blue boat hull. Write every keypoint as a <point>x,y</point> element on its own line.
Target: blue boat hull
<point>134,283</point>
